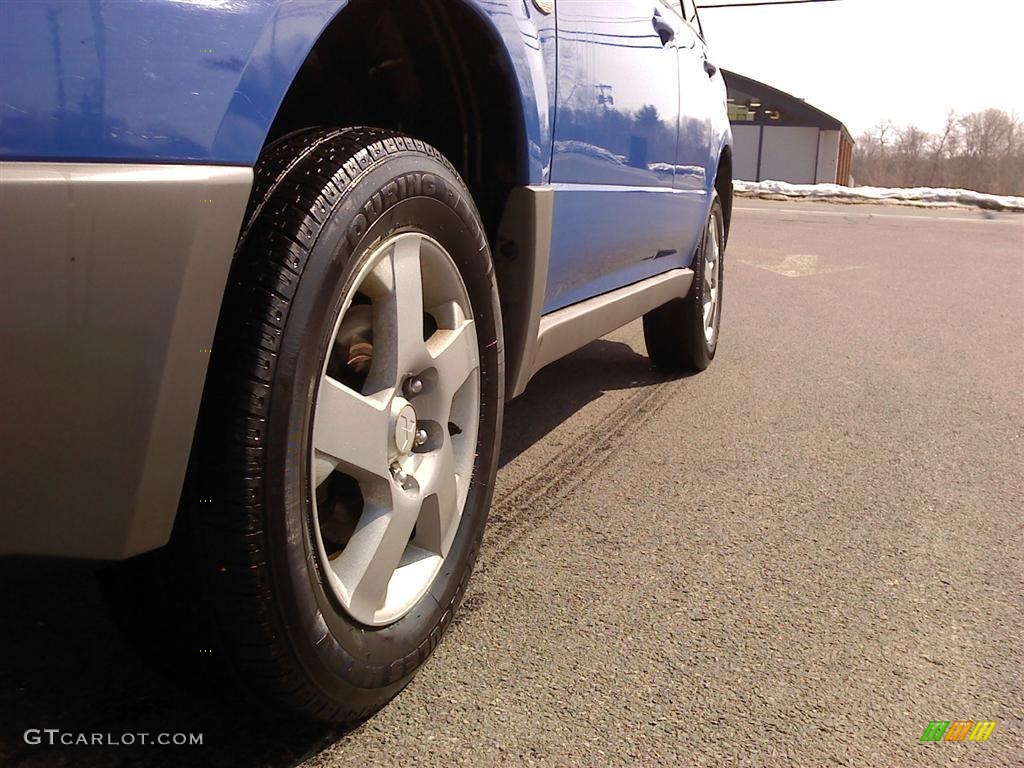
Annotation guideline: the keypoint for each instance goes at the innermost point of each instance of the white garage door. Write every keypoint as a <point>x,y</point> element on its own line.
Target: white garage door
<point>789,154</point>
<point>745,141</point>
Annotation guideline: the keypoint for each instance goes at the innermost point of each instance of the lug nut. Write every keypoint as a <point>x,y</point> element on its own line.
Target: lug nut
<point>421,436</point>
<point>413,386</point>
<point>400,475</point>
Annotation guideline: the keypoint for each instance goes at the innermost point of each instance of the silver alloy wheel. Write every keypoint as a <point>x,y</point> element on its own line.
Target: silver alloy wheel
<point>712,253</point>
<point>405,433</point>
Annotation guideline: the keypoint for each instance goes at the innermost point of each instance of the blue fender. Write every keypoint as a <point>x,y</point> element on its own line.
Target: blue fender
<point>199,82</point>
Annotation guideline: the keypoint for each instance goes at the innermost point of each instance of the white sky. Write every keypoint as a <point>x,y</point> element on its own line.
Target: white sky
<point>863,61</point>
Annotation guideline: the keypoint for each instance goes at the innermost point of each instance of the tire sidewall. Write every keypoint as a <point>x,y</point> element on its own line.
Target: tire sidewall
<point>353,660</point>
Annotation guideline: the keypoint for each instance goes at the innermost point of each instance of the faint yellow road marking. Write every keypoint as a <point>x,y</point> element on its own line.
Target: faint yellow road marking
<point>799,265</point>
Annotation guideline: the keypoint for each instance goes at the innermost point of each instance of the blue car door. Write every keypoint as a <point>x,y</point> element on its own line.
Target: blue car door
<point>615,134</point>
<point>698,101</point>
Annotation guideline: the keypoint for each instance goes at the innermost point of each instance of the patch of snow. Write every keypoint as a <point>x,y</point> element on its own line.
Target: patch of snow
<point>923,197</point>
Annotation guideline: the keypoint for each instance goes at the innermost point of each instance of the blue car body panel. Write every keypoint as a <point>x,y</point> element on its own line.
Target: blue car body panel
<point>155,82</point>
<point>197,82</point>
<point>636,144</point>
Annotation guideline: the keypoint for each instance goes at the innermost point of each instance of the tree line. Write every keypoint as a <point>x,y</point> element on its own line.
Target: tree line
<point>981,151</point>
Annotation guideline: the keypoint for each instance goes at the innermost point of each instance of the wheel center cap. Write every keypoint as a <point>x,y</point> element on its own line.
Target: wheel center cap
<point>404,428</point>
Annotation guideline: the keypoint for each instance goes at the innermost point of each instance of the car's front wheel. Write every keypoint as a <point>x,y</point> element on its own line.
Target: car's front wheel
<point>349,435</point>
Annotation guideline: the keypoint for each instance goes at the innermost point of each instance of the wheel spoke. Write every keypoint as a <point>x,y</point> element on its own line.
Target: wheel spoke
<point>349,429</point>
<point>711,256</point>
<point>439,518</point>
<point>408,294</point>
<point>398,346</point>
<point>370,558</point>
<point>455,356</point>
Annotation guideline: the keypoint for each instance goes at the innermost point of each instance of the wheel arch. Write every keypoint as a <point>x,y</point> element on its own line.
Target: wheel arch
<point>723,186</point>
<point>448,73</point>
<point>466,77</point>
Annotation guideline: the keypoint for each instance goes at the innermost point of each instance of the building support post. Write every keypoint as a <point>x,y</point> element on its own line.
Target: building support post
<point>760,146</point>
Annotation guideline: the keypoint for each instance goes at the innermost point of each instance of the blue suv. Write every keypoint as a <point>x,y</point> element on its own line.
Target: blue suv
<point>274,268</point>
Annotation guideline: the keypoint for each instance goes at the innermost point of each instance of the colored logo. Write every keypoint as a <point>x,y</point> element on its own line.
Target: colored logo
<point>958,730</point>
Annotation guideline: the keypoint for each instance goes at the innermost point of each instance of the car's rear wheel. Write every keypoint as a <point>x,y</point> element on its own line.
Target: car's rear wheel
<point>682,335</point>
<point>349,434</point>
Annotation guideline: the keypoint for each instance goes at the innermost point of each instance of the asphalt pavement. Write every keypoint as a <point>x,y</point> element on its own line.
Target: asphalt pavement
<point>797,558</point>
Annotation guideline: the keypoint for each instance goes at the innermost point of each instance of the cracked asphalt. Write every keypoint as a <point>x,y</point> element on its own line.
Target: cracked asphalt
<point>797,558</point>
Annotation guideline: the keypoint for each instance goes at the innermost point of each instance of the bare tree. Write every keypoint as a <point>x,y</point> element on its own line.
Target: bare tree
<point>942,146</point>
<point>983,151</point>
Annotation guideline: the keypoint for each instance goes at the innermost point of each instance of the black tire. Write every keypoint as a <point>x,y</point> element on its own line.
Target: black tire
<point>675,332</point>
<point>321,199</point>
